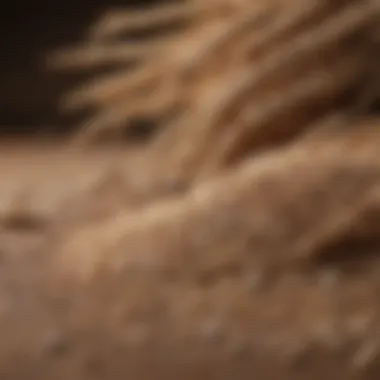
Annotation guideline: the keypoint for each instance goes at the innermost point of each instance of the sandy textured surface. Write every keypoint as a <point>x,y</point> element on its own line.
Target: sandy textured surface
<point>270,271</point>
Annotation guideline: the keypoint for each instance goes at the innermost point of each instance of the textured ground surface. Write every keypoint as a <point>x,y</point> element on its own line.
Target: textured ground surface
<point>215,284</point>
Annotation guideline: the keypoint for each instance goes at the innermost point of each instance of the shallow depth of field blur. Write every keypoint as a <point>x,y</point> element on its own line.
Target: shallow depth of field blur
<point>196,199</point>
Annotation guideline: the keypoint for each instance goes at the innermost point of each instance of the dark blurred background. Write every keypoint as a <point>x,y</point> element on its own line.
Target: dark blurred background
<point>28,92</point>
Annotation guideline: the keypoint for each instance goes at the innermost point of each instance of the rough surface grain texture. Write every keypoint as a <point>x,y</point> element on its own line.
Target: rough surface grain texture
<point>241,239</point>
<point>271,270</point>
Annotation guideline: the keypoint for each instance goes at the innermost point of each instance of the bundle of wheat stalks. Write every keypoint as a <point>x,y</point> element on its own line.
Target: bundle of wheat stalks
<point>265,152</point>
